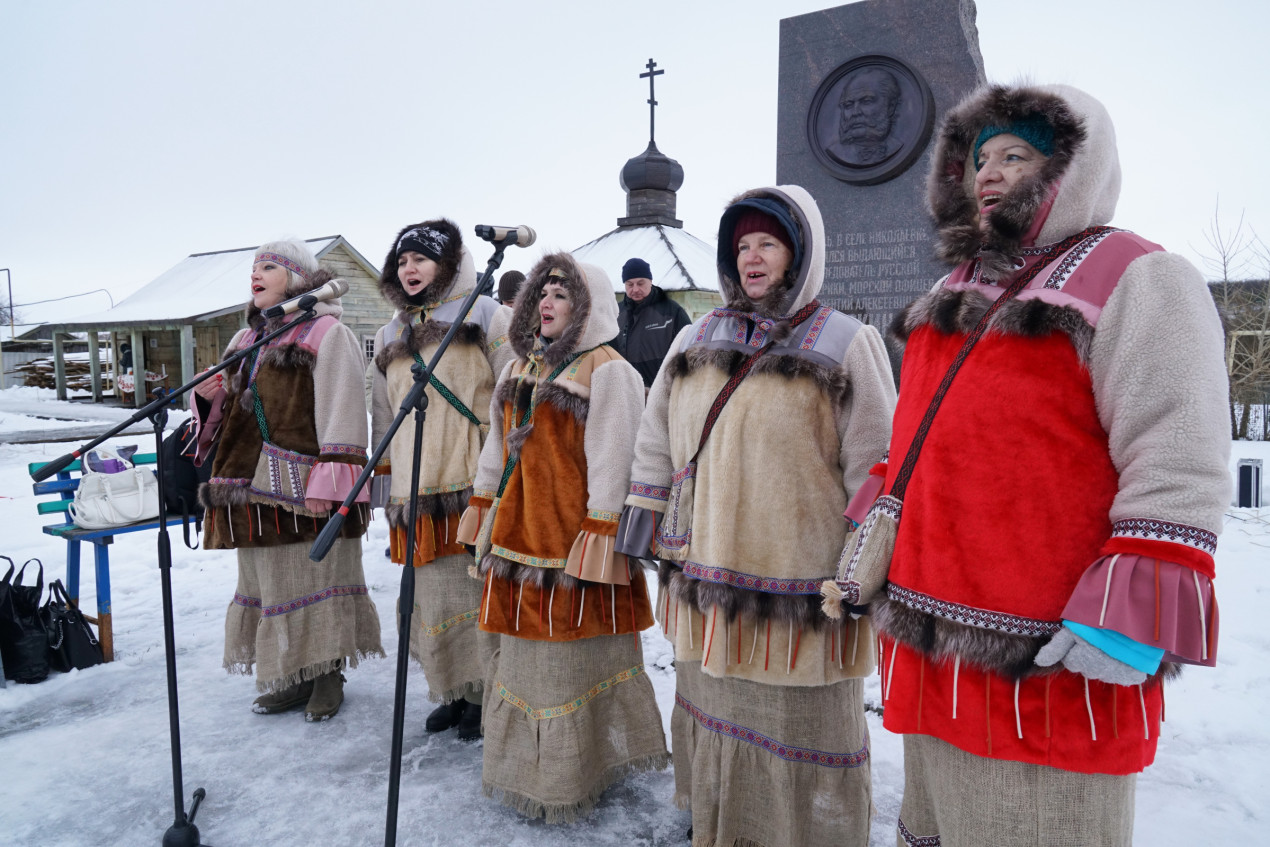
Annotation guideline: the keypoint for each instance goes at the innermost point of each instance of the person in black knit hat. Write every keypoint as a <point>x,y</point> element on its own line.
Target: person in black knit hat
<point>648,320</point>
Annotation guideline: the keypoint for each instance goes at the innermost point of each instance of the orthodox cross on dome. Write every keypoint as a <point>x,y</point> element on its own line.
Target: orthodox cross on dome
<point>652,98</point>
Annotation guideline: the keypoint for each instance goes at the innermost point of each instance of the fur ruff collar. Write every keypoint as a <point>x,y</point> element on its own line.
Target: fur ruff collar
<point>523,332</point>
<point>447,270</point>
<point>959,312</point>
<point>950,184</point>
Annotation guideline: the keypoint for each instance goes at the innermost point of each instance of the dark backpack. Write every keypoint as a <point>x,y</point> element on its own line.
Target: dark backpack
<point>181,478</point>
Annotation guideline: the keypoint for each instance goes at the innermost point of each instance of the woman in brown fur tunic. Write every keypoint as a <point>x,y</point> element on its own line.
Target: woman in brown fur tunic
<point>427,275</point>
<point>572,710</point>
<point>291,429</point>
<point>769,739</point>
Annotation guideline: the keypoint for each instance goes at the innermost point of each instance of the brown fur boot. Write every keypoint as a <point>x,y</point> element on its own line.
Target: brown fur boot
<point>281,701</point>
<point>328,695</point>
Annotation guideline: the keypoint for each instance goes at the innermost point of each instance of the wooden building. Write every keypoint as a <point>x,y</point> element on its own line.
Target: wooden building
<point>180,323</point>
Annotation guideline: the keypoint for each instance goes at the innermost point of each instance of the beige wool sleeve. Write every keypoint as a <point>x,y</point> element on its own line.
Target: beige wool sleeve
<point>339,393</point>
<point>652,466</point>
<point>381,411</point>
<point>489,468</point>
<point>498,348</point>
<point>613,419</point>
<point>864,423</point>
<point>1161,390</point>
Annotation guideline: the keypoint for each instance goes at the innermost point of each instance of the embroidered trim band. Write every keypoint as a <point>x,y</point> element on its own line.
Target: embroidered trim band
<point>969,615</point>
<point>572,706</point>
<point>434,631</point>
<point>318,597</point>
<point>751,581</point>
<point>784,751</point>
<point>653,492</point>
<point>532,561</point>
<point>1177,533</point>
<point>279,259</point>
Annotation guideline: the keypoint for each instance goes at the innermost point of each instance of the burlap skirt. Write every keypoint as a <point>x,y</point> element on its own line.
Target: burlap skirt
<point>769,764</point>
<point>565,720</point>
<point>294,619</point>
<point>444,637</point>
<point>957,799</point>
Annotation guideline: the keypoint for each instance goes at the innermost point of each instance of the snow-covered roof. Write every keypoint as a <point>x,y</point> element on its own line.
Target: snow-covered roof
<point>18,331</point>
<point>200,286</point>
<point>679,260</point>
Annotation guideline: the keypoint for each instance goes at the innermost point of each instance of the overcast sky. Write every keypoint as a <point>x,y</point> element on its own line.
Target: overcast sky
<point>135,133</point>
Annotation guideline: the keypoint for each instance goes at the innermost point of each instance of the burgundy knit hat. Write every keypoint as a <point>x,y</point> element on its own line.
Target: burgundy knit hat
<point>756,220</point>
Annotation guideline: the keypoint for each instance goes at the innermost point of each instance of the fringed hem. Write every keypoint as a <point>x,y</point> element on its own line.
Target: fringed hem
<point>476,686</point>
<point>531,807</point>
<point>315,670</point>
<point>705,841</point>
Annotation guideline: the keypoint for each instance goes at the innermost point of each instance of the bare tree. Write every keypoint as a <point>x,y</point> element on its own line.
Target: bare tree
<point>1243,302</point>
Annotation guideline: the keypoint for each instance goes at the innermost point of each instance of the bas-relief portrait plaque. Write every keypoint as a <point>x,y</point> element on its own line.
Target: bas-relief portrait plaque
<point>870,119</point>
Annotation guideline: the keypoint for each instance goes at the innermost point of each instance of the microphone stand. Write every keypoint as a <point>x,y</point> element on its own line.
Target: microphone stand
<point>416,400</point>
<point>183,832</point>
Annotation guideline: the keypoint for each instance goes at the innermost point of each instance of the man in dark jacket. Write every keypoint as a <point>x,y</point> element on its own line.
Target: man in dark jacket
<point>647,320</point>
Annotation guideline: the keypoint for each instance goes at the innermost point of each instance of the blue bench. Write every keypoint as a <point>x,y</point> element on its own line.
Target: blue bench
<point>63,486</point>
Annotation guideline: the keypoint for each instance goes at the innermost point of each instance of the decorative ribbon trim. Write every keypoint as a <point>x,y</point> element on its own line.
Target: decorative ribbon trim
<point>573,705</point>
<point>787,752</point>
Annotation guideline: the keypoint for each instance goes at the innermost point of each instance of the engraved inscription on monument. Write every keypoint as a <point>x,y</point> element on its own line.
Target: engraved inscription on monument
<point>870,119</point>
<point>876,272</point>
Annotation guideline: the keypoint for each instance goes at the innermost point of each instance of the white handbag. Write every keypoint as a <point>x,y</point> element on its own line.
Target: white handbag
<point>104,500</point>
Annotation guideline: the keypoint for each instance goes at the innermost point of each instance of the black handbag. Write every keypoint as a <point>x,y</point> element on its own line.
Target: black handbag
<point>71,642</point>
<point>23,641</point>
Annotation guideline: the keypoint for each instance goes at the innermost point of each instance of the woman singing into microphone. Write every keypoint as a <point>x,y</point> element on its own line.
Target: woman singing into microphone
<point>292,440</point>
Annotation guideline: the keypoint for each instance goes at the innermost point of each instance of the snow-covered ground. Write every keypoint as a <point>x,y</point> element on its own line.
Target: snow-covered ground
<point>84,757</point>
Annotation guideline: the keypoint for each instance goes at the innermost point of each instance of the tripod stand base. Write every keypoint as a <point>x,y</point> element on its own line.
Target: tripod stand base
<point>182,835</point>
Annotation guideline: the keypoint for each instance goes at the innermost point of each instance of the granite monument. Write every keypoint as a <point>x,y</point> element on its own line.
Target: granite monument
<point>862,87</point>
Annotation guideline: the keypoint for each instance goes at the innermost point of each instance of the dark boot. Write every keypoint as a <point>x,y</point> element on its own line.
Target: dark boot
<point>470,723</point>
<point>445,716</point>
<point>328,696</point>
<point>281,701</point>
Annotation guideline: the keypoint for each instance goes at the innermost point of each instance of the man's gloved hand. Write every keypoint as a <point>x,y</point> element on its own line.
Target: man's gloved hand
<point>1081,657</point>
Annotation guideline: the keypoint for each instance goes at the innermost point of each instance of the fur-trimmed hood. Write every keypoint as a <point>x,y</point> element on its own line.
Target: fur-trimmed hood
<point>255,319</point>
<point>1077,187</point>
<point>804,286</point>
<point>456,272</point>
<point>593,317</point>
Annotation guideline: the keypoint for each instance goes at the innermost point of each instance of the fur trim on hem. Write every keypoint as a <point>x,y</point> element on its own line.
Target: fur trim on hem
<point>801,610</point>
<point>833,382</point>
<point>435,506</point>
<point>952,312</point>
<point>542,578</point>
<point>554,813</point>
<point>942,640</point>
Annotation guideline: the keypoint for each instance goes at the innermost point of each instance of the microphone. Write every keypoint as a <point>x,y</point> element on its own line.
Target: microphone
<point>334,288</point>
<point>524,235</point>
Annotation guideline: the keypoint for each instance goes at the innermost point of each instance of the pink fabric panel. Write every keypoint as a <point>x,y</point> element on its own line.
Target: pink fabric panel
<point>1187,615</point>
<point>1099,273</point>
<point>333,480</point>
<point>863,499</point>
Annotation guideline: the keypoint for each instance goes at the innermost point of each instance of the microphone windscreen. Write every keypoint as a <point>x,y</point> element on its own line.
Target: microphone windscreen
<point>525,236</point>
<point>339,287</point>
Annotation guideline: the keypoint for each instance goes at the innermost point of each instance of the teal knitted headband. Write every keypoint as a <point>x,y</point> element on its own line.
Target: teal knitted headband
<point>1033,129</point>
